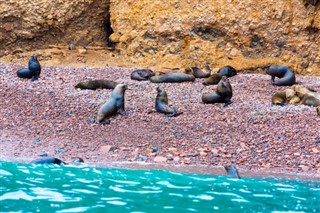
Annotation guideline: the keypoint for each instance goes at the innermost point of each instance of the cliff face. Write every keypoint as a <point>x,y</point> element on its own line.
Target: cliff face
<point>174,33</point>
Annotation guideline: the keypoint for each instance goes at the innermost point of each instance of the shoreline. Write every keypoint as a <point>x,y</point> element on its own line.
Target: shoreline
<point>188,169</point>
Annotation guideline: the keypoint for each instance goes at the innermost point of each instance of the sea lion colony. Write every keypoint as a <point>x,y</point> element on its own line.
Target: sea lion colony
<point>294,95</point>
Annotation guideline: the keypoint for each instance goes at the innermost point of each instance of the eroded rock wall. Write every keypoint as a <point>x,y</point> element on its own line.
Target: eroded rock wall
<point>172,33</point>
<point>27,25</point>
<point>199,32</point>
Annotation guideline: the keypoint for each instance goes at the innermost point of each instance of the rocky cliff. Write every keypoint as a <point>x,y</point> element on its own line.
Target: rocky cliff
<point>245,34</point>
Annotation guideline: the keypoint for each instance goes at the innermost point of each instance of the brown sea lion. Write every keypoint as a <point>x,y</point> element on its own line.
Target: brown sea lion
<point>301,91</point>
<point>228,71</point>
<point>311,100</point>
<point>198,73</point>
<point>113,105</point>
<point>213,79</point>
<point>232,171</point>
<point>172,78</point>
<point>279,98</point>
<point>285,75</point>
<point>141,74</point>
<point>291,96</point>
<point>222,95</point>
<point>96,84</point>
<point>162,103</point>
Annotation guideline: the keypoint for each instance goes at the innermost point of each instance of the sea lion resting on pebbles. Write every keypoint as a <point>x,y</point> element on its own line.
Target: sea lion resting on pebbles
<point>172,78</point>
<point>228,71</point>
<point>308,96</point>
<point>222,95</point>
<point>287,96</point>
<point>213,79</point>
<point>162,103</point>
<point>33,71</point>
<point>198,73</point>
<point>142,74</point>
<point>287,77</point>
<point>96,84</point>
<point>114,104</point>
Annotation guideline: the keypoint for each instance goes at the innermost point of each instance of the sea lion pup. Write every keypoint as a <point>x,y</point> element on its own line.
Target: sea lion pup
<point>113,105</point>
<point>213,79</point>
<point>279,98</point>
<point>162,103</point>
<point>172,78</point>
<point>222,95</point>
<point>228,71</point>
<point>285,75</point>
<point>232,171</point>
<point>198,73</point>
<point>33,71</point>
<point>96,84</point>
<point>142,74</point>
<point>48,161</point>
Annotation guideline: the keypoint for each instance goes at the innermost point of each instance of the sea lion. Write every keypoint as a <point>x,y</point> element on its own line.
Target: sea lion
<point>113,105</point>
<point>162,103</point>
<point>228,71</point>
<point>142,74</point>
<point>301,91</point>
<point>198,73</point>
<point>96,84</point>
<point>48,161</point>
<point>213,79</point>
<point>172,78</point>
<point>311,100</point>
<point>285,75</point>
<point>33,71</point>
<point>318,110</point>
<point>222,95</point>
<point>288,96</point>
<point>232,171</point>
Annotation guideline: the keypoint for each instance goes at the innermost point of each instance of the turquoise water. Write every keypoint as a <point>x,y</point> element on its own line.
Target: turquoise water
<point>53,188</point>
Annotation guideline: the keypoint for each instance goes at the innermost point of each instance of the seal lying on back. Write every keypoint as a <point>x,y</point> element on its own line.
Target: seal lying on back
<point>96,84</point>
<point>162,103</point>
<point>172,78</point>
<point>114,104</point>
<point>33,71</point>
<point>285,75</point>
<point>222,95</point>
<point>213,79</point>
<point>142,74</point>
<point>228,71</point>
<point>198,73</point>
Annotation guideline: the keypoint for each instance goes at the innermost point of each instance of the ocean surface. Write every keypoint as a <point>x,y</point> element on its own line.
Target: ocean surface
<point>54,188</point>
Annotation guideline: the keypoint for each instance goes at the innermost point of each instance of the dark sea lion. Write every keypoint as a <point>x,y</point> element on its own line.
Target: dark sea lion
<point>35,67</point>
<point>113,105</point>
<point>33,71</point>
<point>228,71</point>
<point>25,73</point>
<point>172,78</point>
<point>142,74</point>
<point>222,95</point>
<point>48,161</point>
<point>96,84</point>
<point>198,73</point>
<point>213,79</point>
<point>285,75</point>
<point>232,171</point>
<point>162,103</point>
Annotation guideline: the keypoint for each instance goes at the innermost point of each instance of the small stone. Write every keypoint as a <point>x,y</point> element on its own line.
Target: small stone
<point>43,155</point>
<point>203,154</point>
<point>155,149</point>
<point>172,149</point>
<point>315,150</point>
<point>160,159</point>
<point>60,151</point>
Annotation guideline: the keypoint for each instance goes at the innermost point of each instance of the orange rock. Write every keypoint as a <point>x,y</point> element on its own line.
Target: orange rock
<point>160,159</point>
